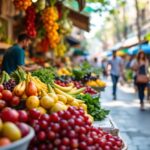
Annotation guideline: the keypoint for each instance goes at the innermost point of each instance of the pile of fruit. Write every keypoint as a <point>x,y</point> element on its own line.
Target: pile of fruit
<point>96,83</point>
<point>60,113</point>
<point>11,126</point>
<point>78,85</point>
<point>63,71</point>
<point>49,18</point>
<point>30,21</point>
<point>60,50</point>
<point>22,4</point>
<point>70,129</point>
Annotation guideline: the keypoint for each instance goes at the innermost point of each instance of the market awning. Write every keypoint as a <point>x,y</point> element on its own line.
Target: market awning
<point>79,20</point>
<point>134,50</point>
<point>72,41</point>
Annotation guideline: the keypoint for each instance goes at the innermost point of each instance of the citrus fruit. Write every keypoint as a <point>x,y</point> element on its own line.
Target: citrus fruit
<point>32,102</point>
<point>54,96</point>
<point>47,102</point>
<point>4,141</point>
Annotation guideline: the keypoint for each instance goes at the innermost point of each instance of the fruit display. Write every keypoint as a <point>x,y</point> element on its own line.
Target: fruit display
<point>70,129</point>
<point>22,4</point>
<point>63,71</point>
<point>10,131</point>
<point>7,98</point>
<point>78,85</point>
<point>29,87</point>
<point>49,18</point>
<point>4,77</point>
<point>60,50</point>
<point>10,84</point>
<point>30,21</point>
<point>96,83</point>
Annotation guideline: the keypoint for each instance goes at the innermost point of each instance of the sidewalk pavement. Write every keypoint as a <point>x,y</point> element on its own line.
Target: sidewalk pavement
<point>133,123</point>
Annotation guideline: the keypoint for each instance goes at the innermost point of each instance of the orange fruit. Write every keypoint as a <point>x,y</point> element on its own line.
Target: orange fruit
<point>4,141</point>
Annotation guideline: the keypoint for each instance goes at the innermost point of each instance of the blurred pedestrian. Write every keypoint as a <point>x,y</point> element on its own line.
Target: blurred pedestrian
<point>141,78</point>
<point>104,67</point>
<point>116,71</point>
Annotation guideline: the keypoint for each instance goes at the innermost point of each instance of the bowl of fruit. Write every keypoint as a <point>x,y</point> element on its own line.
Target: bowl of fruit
<point>15,136</point>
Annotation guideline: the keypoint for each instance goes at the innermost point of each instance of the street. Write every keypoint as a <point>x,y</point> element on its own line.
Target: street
<point>133,123</point>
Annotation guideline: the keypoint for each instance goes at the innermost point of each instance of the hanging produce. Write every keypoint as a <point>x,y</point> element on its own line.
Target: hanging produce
<point>49,18</point>
<point>30,21</point>
<point>40,5</point>
<point>22,4</point>
<point>60,50</point>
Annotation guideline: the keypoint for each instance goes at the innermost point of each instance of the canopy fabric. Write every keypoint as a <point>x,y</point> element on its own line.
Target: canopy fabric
<point>80,52</point>
<point>134,50</point>
<point>72,41</point>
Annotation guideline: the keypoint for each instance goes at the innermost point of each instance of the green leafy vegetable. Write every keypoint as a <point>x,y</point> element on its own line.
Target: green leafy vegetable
<point>46,75</point>
<point>94,107</point>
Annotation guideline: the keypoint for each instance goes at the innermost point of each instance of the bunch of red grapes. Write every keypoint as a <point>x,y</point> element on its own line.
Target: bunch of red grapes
<point>30,21</point>
<point>69,130</point>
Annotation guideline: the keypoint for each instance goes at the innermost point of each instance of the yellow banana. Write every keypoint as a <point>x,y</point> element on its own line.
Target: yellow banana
<point>77,91</point>
<point>69,97</point>
<point>64,89</point>
<point>20,88</point>
<point>50,89</point>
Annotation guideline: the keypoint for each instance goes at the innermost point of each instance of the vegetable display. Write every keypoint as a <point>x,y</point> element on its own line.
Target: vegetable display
<point>93,106</point>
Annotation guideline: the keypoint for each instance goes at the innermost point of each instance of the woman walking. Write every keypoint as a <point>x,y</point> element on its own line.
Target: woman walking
<point>141,68</point>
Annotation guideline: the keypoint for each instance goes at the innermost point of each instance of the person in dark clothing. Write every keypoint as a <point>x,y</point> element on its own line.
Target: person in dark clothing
<point>141,66</point>
<point>15,55</point>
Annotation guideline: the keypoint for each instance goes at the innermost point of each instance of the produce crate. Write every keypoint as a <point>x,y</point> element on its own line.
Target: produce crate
<point>109,125</point>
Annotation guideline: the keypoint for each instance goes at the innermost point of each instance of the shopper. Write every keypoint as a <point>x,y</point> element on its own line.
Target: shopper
<point>15,55</point>
<point>116,71</point>
<point>141,68</point>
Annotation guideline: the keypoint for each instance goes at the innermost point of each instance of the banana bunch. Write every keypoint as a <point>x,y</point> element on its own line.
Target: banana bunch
<point>19,75</point>
<point>63,71</point>
<point>60,50</point>
<point>97,83</point>
<point>19,89</point>
<point>38,83</point>
<point>66,95</point>
<point>4,77</point>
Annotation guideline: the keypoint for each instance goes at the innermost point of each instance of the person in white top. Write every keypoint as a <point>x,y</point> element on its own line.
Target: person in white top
<point>116,71</point>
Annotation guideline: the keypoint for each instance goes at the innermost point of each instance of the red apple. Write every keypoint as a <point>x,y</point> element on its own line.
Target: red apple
<point>15,101</point>
<point>2,104</point>
<point>1,87</point>
<point>9,114</point>
<point>7,95</point>
<point>24,128</point>
<point>23,116</point>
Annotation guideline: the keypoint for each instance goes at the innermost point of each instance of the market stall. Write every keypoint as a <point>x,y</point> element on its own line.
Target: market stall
<point>53,107</point>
